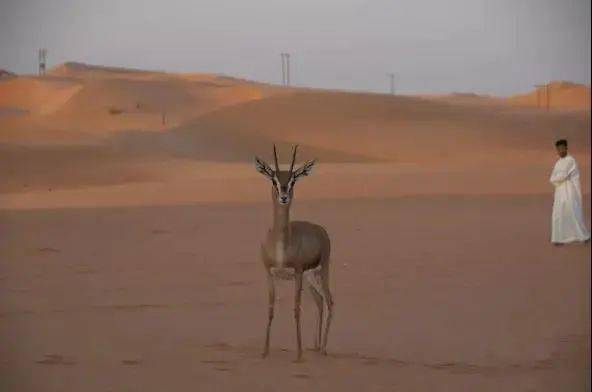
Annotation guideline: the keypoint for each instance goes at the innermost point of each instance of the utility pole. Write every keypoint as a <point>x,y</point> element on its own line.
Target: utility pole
<point>42,59</point>
<point>547,96</point>
<point>288,69</point>
<point>285,69</point>
<point>538,92</point>
<point>392,78</point>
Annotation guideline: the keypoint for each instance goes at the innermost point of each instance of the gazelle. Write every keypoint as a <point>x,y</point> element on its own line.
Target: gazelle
<point>295,250</point>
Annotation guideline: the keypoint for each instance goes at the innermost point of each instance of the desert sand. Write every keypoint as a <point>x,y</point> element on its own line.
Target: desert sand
<point>559,94</point>
<point>129,243</point>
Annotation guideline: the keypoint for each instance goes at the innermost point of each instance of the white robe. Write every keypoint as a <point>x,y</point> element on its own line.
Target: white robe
<point>567,218</point>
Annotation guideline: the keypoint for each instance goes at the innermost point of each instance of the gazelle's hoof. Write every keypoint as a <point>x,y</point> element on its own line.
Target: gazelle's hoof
<point>298,360</point>
<point>324,352</point>
<point>264,354</point>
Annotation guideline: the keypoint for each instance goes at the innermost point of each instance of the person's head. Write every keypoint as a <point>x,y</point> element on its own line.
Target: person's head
<point>561,146</point>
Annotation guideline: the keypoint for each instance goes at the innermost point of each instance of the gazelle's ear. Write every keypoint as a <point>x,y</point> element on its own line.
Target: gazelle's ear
<point>304,170</point>
<point>263,168</point>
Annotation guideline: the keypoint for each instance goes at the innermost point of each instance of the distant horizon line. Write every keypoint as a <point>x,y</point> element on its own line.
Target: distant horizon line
<point>277,84</point>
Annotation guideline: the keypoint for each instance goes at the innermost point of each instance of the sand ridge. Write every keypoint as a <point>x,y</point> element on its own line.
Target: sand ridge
<point>86,126</point>
<point>561,95</point>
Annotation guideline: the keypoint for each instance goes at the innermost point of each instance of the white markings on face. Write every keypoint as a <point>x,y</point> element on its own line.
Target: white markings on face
<point>283,192</point>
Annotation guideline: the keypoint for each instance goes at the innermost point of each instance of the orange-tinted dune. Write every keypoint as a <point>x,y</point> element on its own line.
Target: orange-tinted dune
<point>39,96</point>
<point>559,95</point>
<point>91,99</point>
<point>207,117</point>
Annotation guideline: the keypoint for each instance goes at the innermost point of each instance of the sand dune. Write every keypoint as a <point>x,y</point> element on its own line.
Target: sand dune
<point>464,98</point>
<point>114,104</point>
<point>132,91</point>
<point>87,71</point>
<point>37,95</point>
<point>401,129</point>
<point>562,95</point>
<point>80,111</point>
<point>91,99</point>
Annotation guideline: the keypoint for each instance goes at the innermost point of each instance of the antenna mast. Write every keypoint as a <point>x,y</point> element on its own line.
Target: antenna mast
<point>42,57</point>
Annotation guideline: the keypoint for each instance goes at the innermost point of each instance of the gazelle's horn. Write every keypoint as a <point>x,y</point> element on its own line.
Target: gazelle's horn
<point>293,159</point>
<point>275,158</point>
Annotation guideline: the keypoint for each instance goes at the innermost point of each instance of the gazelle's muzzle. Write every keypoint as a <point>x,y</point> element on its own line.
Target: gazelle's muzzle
<point>285,199</point>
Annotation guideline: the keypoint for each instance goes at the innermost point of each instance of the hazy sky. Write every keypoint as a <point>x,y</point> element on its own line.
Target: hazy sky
<point>484,46</point>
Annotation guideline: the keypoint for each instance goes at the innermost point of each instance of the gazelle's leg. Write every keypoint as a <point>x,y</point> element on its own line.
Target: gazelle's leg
<point>329,301</point>
<point>297,297</point>
<point>271,287</point>
<point>313,286</point>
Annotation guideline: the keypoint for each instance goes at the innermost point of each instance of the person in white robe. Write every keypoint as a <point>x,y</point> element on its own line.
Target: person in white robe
<point>567,223</point>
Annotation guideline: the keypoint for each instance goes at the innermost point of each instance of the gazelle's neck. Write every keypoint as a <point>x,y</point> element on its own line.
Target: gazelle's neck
<point>281,233</point>
<point>281,222</point>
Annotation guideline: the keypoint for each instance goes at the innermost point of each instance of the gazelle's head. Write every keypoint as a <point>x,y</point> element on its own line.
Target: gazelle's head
<point>283,181</point>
